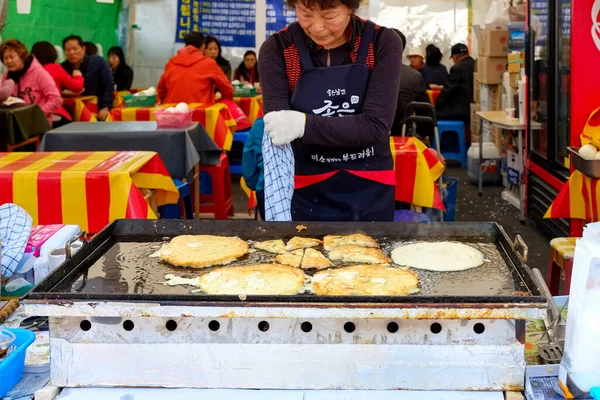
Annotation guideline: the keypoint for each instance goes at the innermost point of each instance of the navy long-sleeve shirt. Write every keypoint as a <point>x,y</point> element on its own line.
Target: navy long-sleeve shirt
<point>98,79</point>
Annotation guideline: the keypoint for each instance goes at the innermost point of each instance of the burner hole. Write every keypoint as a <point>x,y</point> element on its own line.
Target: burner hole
<point>214,325</point>
<point>171,325</point>
<point>85,325</point>
<point>349,327</point>
<point>435,328</point>
<point>128,325</point>
<point>479,328</point>
<point>392,327</point>
<point>306,327</point>
<point>263,326</point>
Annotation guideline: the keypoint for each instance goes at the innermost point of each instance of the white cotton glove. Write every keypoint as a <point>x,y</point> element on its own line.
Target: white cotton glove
<point>285,126</point>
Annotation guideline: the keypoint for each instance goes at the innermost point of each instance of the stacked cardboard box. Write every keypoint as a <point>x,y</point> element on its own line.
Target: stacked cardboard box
<point>476,88</point>
<point>493,51</point>
<point>475,120</point>
<point>491,97</point>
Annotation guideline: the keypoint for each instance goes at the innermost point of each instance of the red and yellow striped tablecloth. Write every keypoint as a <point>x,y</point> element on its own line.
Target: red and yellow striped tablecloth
<point>417,169</point>
<point>251,106</point>
<point>89,189</point>
<point>579,198</point>
<point>82,109</point>
<point>216,119</point>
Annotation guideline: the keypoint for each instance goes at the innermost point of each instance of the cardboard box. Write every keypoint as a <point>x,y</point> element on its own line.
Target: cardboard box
<point>497,138</point>
<point>516,61</point>
<point>493,42</point>
<point>476,88</point>
<point>475,120</point>
<point>486,131</point>
<point>514,165</point>
<point>491,69</point>
<point>490,97</point>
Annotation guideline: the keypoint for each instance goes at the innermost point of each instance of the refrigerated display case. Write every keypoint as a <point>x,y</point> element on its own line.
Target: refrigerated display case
<point>549,77</point>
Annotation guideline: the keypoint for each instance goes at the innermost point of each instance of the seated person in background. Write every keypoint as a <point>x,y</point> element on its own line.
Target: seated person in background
<point>95,70</point>
<point>212,49</point>
<point>412,88</point>
<point>122,73</point>
<point>46,54</point>
<point>6,89</point>
<point>32,83</point>
<point>434,72</point>
<point>247,72</point>
<point>90,49</point>
<point>190,77</point>
<point>415,57</point>
<point>252,164</point>
<point>454,102</point>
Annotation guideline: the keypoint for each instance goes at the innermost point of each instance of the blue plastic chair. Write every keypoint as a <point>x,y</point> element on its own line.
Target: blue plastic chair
<point>453,141</point>
<point>235,157</point>
<point>172,211</point>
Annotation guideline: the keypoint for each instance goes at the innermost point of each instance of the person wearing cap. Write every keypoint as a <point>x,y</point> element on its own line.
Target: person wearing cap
<point>416,58</point>
<point>454,102</point>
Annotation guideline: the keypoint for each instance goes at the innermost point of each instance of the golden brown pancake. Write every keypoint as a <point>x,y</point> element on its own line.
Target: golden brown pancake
<point>302,243</point>
<point>293,258</point>
<point>264,279</point>
<point>201,251</point>
<point>365,280</point>
<point>314,259</point>
<point>357,254</point>
<point>357,239</point>
<point>272,246</point>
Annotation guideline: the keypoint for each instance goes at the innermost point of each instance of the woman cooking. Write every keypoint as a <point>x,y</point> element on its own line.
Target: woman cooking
<point>333,64</point>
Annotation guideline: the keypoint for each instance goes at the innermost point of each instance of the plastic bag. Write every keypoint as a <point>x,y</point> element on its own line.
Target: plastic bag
<point>580,366</point>
<point>498,13</point>
<point>241,119</point>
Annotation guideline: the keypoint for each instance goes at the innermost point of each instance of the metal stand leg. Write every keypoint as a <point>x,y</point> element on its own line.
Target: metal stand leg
<point>522,188</point>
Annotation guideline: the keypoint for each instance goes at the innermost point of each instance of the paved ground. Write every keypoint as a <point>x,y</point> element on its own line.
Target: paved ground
<point>471,207</point>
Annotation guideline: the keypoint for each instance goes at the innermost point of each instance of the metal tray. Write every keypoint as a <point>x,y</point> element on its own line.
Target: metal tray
<point>65,283</point>
<point>589,168</point>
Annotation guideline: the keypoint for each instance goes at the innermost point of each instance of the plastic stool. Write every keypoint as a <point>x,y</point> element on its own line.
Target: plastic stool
<point>236,152</point>
<point>173,211</point>
<point>220,201</point>
<point>561,260</point>
<point>458,149</point>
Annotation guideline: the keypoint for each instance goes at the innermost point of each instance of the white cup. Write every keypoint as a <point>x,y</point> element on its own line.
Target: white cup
<point>75,247</point>
<point>56,257</point>
<point>510,113</point>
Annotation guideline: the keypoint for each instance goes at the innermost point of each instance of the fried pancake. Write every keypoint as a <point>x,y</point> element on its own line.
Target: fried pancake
<point>365,280</point>
<point>357,254</point>
<point>438,256</point>
<point>314,259</point>
<point>293,258</point>
<point>199,251</point>
<point>272,246</point>
<point>302,243</point>
<point>265,279</point>
<point>357,239</point>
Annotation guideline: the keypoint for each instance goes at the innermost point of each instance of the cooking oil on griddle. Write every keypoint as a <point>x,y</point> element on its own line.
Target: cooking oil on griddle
<point>127,268</point>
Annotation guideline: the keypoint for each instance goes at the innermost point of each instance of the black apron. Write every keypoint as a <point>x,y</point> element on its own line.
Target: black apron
<point>339,184</point>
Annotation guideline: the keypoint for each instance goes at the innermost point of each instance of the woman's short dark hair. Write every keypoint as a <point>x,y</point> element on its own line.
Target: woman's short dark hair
<point>17,46</point>
<point>78,39</point>
<point>433,55</point>
<point>90,49</point>
<point>45,52</point>
<point>325,4</point>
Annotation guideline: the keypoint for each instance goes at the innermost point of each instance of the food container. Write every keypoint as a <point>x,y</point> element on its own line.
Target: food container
<point>589,168</point>
<point>240,91</point>
<point>139,100</point>
<point>11,367</point>
<point>166,119</point>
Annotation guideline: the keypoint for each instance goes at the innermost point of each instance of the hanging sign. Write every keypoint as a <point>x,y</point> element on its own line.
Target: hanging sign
<point>233,22</point>
<point>279,15</point>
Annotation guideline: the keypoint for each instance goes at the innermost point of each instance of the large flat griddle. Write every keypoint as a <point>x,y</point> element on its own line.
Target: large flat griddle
<point>115,265</point>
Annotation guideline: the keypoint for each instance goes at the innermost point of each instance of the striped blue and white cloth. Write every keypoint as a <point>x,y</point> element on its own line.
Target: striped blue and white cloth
<point>278,163</point>
<point>15,228</point>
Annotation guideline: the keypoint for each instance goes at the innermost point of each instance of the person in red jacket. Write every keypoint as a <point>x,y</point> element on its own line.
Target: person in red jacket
<point>47,55</point>
<point>190,77</point>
